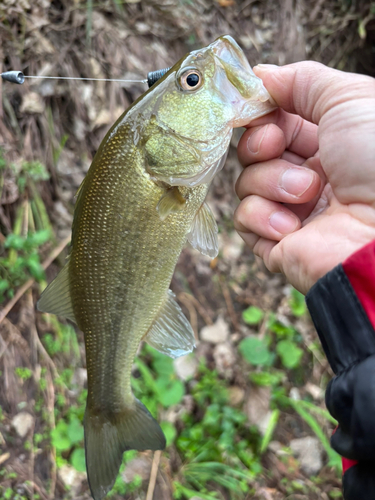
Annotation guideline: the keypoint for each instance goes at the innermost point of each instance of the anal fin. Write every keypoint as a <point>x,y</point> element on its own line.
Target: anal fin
<point>203,234</point>
<point>171,202</point>
<point>56,298</point>
<point>171,332</point>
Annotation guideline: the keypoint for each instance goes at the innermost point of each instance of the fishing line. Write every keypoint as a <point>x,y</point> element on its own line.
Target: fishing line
<point>19,78</point>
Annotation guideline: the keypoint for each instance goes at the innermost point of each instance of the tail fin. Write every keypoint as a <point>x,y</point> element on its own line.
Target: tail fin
<point>106,438</point>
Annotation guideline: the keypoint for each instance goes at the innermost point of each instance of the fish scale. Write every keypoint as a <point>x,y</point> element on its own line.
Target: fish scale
<point>143,197</point>
<point>141,287</point>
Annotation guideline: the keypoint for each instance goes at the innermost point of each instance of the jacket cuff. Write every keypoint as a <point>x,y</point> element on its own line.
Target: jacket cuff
<point>344,329</point>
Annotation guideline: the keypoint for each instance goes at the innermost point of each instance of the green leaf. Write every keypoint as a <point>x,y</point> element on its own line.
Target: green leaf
<point>169,431</point>
<point>255,351</point>
<point>163,365</point>
<point>75,431</point>
<point>35,267</point>
<point>266,378</point>
<point>39,237</point>
<point>272,423</point>
<point>14,241</point>
<point>252,315</point>
<point>4,285</point>
<point>289,353</point>
<point>59,436</point>
<point>78,460</point>
<point>171,394</point>
<point>297,303</point>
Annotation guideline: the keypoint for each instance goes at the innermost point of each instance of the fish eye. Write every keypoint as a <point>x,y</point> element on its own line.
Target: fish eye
<point>191,79</point>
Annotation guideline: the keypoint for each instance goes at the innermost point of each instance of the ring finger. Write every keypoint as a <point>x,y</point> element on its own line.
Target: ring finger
<point>265,218</point>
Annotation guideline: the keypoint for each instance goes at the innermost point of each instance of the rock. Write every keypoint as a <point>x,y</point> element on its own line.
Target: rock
<point>140,466</point>
<point>79,381</point>
<point>257,407</point>
<point>232,246</point>
<point>315,391</point>
<point>32,103</point>
<point>224,357</point>
<point>71,478</point>
<point>185,366</point>
<point>236,395</point>
<point>308,451</point>
<point>216,333</point>
<point>275,446</point>
<point>23,422</point>
<point>295,394</point>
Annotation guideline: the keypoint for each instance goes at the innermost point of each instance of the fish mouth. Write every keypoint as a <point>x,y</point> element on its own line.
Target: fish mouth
<point>244,89</point>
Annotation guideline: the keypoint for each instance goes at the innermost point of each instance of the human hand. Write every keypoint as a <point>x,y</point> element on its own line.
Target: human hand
<point>308,192</point>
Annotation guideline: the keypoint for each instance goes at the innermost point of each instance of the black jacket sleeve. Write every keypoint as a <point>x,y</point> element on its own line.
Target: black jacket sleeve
<point>348,339</point>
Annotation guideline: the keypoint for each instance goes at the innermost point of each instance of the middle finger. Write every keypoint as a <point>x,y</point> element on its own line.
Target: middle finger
<point>279,180</point>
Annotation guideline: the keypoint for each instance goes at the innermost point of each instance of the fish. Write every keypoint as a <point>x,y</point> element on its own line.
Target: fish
<point>142,199</point>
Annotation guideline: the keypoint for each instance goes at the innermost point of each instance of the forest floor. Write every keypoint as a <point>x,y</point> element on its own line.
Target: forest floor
<point>244,414</point>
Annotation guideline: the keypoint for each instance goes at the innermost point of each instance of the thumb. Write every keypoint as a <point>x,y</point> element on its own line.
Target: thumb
<point>311,89</point>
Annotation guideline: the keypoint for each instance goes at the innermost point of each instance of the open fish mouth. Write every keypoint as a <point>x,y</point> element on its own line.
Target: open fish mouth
<point>240,84</point>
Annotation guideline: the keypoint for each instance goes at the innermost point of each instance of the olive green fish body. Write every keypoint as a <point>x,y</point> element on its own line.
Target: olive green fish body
<point>121,273</point>
<point>141,200</point>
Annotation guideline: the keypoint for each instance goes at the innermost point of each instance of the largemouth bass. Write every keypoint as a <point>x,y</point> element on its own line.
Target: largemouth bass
<point>142,199</point>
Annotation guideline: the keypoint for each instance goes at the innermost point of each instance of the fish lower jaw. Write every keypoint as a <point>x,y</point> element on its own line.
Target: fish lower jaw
<point>251,111</point>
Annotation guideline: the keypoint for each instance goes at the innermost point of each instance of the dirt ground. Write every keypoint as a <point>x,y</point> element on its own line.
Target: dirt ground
<point>61,124</point>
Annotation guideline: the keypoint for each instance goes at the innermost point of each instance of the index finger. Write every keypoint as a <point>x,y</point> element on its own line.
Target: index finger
<point>310,89</point>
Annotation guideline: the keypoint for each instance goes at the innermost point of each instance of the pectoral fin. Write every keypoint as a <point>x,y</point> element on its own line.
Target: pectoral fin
<point>171,202</point>
<point>56,298</point>
<point>203,234</point>
<point>171,332</point>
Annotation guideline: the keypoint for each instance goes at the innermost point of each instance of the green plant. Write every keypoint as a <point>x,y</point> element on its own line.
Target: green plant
<point>297,303</point>
<point>290,354</point>
<point>21,261</point>
<point>256,352</point>
<point>252,315</point>
<point>23,373</point>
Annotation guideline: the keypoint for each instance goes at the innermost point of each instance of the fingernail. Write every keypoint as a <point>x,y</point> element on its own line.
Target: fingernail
<point>283,222</point>
<point>255,139</point>
<point>296,181</point>
<point>266,67</point>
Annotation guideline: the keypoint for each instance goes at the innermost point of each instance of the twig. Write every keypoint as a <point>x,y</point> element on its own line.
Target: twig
<point>21,291</point>
<point>15,337</point>
<point>154,473</point>
<point>40,347</point>
<point>32,459</point>
<point>4,457</point>
<point>202,311</point>
<point>192,312</point>
<point>41,492</point>
<point>229,304</point>
<point>51,411</point>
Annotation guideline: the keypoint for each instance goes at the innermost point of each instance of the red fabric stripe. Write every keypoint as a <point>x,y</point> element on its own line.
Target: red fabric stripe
<point>346,464</point>
<point>360,269</point>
